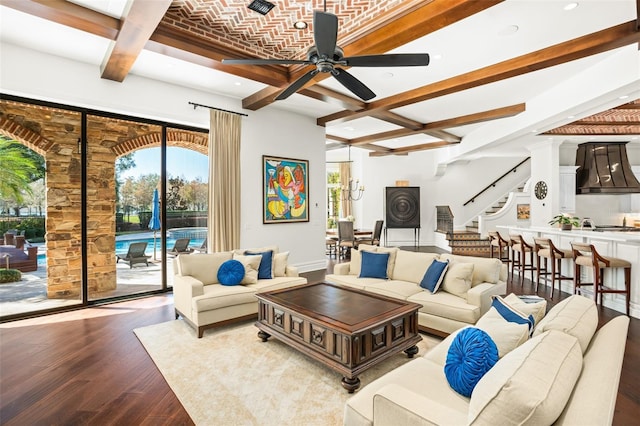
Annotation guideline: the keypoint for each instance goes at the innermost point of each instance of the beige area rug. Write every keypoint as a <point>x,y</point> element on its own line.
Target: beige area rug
<point>231,377</point>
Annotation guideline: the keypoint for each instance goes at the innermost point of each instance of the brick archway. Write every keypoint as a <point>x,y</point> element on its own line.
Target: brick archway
<point>55,134</point>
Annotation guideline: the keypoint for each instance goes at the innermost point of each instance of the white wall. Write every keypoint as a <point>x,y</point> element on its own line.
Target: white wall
<point>269,131</point>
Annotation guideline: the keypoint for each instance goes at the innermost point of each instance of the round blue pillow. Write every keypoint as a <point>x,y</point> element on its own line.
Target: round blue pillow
<point>471,354</point>
<point>231,272</point>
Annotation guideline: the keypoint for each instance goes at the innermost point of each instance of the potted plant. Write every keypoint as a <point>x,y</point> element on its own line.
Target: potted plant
<point>565,221</point>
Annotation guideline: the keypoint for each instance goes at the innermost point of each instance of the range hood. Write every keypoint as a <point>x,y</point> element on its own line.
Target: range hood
<point>603,168</point>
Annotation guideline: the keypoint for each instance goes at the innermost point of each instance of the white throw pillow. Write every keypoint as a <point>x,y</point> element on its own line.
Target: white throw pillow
<point>251,265</point>
<point>486,270</point>
<point>537,309</point>
<point>505,334</point>
<point>530,385</point>
<point>457,280</point>
<point>411,266</point>
<point>203,266</point>
<point>280,264</point>
<point>576,315</point>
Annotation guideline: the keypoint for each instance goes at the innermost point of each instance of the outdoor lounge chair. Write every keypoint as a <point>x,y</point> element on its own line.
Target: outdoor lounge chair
<point>181,246</point>
<point>201,249</point>
<point>135,254</point>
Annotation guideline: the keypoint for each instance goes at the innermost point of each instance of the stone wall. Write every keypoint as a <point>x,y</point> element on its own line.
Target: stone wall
<point>55,134</point>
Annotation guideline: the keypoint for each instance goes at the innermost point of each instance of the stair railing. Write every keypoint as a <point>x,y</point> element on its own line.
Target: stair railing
<point>493,184</point>
<point>444,219</point>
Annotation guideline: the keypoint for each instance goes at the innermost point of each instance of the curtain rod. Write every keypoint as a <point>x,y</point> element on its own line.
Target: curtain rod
<point>195,105</point>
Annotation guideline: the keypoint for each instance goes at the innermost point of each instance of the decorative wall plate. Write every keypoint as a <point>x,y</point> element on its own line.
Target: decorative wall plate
<point>541,190</point>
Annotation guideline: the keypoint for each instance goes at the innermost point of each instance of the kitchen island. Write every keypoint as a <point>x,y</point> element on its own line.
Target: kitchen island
<point>620,244</point>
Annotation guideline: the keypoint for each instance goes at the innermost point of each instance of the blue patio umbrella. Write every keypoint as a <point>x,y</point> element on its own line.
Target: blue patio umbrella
<point>154,223</point>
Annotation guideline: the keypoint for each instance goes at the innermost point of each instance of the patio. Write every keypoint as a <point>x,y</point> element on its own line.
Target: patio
<point>30,294</point>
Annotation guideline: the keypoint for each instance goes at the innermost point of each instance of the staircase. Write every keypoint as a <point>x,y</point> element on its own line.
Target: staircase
<point>469,242</point>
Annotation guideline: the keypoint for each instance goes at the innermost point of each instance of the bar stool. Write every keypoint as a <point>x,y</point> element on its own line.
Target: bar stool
<point>546,250</point>
<point>499,244</point>
<point>587,256</point>
<point>519,250</point>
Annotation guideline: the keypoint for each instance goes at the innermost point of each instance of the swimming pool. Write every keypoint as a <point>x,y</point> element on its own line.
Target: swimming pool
<point>122,246</point>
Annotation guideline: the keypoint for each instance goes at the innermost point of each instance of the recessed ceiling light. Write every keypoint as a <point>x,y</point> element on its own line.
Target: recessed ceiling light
<point>436,56</point>
<point>237,83</point>
<point>387,75</point>
<point>349,129</point>
<point>571,6</point>
<point>300,25</point>
<point>508,30</point>
<point>571,116</point>
<point>623,97</point>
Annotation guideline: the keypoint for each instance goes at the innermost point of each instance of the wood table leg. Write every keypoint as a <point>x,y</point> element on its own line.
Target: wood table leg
<point>411,351</point>
<point>264,336</point>
<point>350,384</point>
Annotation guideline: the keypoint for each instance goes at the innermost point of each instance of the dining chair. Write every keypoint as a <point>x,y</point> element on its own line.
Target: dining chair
<point>346,238</point>
<point>374,239</point>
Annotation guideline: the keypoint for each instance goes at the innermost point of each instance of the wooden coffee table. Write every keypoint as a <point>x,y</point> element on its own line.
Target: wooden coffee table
<point>345,329</point>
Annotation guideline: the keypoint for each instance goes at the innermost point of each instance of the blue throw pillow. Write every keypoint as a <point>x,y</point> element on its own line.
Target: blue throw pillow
<point>471,354</point>
<point>374,265</point>
<point>434,275</point>
<point>512,315</point>
<point>231,272</point>
<point>266,263</point>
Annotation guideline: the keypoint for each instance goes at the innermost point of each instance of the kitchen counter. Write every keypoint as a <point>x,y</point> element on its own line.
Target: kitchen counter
<point>620,244</point>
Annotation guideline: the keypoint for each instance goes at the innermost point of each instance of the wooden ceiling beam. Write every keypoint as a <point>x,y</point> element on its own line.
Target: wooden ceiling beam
<point>69,14</point>
<point>139,22</point>
<point>430,128</point>
<point>581,47</point>
<point>408,149</point>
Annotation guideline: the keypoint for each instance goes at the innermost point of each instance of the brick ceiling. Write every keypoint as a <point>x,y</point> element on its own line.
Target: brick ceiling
<point>623,120</point>
<point>233,23</point>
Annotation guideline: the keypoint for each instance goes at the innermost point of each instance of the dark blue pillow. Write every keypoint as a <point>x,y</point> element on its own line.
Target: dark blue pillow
<point>471,354</point>
<point>231,272</point>
<point>264,270</point>
<point>374,265</point>
<point>434,275</point>
<point>510,314</point>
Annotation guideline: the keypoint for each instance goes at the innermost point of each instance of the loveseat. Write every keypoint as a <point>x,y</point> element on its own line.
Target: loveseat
<point>564,374</point>
<point>464,294</point>
<point>204,302</point>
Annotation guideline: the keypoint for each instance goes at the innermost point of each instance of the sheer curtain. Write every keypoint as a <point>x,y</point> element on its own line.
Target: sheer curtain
<point>345,177</point>
<point>224,181</point>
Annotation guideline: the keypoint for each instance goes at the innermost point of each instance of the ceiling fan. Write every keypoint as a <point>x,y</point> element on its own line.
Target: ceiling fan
<point>326,55</point>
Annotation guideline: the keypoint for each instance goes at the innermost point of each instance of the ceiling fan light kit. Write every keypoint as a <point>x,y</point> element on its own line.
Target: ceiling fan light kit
<point>326,55</point>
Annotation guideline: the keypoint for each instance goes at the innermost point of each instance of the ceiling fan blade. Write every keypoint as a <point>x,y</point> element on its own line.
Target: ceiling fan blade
<point>353,84</point>
<point>390,60</point>
<point>325,33</point>
<point>263,62</point>
<point>296,85</point>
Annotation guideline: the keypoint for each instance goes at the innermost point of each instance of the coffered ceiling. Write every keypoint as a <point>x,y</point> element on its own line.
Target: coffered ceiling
<point>489,58</point>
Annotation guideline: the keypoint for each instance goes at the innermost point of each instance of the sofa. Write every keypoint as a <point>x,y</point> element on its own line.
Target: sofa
<point>566,373</point>
<point>204,302</point>
<point>464,295</point>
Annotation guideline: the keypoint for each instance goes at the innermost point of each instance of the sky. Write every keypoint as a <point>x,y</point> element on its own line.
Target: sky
<point>180,162</point>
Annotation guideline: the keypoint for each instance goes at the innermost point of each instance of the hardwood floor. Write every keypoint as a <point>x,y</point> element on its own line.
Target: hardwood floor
<point>88,367</point>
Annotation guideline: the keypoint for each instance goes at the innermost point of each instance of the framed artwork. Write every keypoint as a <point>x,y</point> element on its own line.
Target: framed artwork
<point>285,188</point>
<point>524,211</point>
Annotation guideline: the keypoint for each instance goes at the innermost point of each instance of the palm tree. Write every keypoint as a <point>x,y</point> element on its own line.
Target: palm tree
<point>16,171</point>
